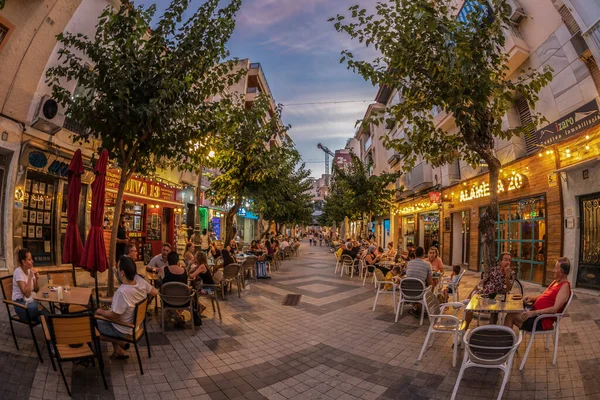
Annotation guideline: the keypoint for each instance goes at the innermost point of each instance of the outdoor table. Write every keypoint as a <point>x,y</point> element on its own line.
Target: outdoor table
<point>484,304</point>
<point>76,295</point>
<point>153,278</point>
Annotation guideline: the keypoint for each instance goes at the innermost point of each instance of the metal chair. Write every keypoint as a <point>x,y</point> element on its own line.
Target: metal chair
<point>490,346</point>
<point>338,264</point>
<point>412,290</point>
<point>451,285</point>
<point>6,285</point>
<point>555,330</point>
<point>380,285</point>
<point>137,330</point>
<point>231,274</point>
<point>286,253</point>
<point>348,264</point>
<point>176,296</point>
<point>247,268</point>
<point>214,297</point>
<point>72,337</point>
<point>442,323</point>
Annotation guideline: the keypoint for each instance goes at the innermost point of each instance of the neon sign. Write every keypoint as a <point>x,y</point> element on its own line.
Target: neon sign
<point>514,182</point>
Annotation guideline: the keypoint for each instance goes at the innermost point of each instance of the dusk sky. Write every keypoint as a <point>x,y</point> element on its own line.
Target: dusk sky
<point>299,52</point>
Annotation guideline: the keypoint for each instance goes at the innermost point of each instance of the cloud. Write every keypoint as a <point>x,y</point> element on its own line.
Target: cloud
<point>263,14</point>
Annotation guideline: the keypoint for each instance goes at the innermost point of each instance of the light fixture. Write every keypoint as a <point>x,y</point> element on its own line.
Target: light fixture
<point>568,151</point>
<point>587,147</point>
<point>540,154</point>
<point>587,137</point>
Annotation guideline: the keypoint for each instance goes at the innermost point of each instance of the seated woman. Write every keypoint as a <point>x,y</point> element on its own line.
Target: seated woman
<point>132,290</point>
<point>391,252</point>
<point>233,248</point>
<point>188,255</point>
<point>270,251</point>
<point>552,301</point>
<point>437,266</point>
<point>201,274</point>
<point>173,272</point>
<point>372,258</point>
<point>24,287</point>
<point>214,250</point>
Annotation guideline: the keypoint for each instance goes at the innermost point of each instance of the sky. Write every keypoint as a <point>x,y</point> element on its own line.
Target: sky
<point>299,52</point>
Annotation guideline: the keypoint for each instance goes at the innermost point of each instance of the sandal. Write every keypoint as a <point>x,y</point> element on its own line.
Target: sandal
<point>119,357</point>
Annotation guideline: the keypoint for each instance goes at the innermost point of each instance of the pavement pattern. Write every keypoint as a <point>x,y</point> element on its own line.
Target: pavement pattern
<point>330,346</point>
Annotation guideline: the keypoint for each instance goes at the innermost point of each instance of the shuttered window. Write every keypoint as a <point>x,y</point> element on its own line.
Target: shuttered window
<point>569,21</point>
<point>525,118</point>
<point>594,71</point>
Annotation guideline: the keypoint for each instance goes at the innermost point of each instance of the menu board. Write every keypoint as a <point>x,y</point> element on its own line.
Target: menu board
<point>38,217</point>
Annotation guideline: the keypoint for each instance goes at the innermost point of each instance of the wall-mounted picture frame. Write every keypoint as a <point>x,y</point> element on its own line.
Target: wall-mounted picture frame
<point>177,220</point>
<point>137,223</point>
<point>39,233</point>
<point>26,200</point>
<point>31,231</point>
<point>27,185</point>
<point>35,187</point>
<point>40,203</point>
<point>40,218</point>
<point>42,188</point>
<point>48,204</point>
<point>32,217</point>
<point>50,190</point>
<point>46,218</point>
<point>25,215</point>
<point>154,221</point>
<point>25,231</point>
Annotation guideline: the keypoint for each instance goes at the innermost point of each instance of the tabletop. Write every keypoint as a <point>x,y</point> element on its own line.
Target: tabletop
<point>511,305</point>
<point>76,295</point>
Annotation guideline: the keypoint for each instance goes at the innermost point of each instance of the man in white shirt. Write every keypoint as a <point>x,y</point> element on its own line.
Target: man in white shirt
<point>284,243</point>
<point>158,262</point>
<point>132,290</point>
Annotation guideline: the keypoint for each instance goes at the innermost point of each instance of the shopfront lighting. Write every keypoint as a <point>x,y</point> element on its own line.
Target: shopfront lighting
<point>587,137</point>
<point>540,154</point>
<point>587,146</point>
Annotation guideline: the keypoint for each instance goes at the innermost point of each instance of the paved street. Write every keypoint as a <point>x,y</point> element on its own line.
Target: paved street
<point>330,346</point>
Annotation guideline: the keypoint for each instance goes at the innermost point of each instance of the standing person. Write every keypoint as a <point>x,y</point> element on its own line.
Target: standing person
<point>132,290</point>
<point>310,239</point>
<point>204,241</point>
<point>25,284</point>
<point>121,238</point>
<point>320,238</point>
<point>419,269</point>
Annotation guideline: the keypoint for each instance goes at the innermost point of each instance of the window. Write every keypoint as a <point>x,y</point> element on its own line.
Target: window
<point>521,231</point>
<point>525,118</point>
<point>6,29</point>
<point>471,6</point>
<point>3,32</point>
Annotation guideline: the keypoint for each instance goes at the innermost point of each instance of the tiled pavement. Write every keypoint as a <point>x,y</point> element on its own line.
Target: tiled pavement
<point>330,346</point>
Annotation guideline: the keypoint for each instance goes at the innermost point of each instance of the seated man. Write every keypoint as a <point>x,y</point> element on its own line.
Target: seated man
<point>284,243</point>
<point>419,269</point>
<point>350,251</point>
<point>552,301</point>
<point>158,262</point>
<point>498,280</point>
<point>132,290</point>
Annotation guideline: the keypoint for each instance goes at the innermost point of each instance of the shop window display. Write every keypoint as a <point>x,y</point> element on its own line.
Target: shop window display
<point>38,217</point>
<point>521,231</point>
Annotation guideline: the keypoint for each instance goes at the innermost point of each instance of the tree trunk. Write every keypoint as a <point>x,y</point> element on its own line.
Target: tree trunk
<point>487,222</point>
<point>229,221</point>
<point>115,231</point>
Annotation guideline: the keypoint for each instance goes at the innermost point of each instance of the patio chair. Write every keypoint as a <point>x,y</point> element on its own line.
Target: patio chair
<point>380,284</point>
<point>6,285</point>
<point>286,253</point>
<point>412,290</point>
<point>338,264</point>
<point>176,296</point>
<point>248,268</point>
<point>451,285</point>
<point>442,323</point>
<point>138,329</point>
<point>365,271</point>
<point>490,346</point>
<point>348,264</point>
<point>276,258</point>
<point>72,337</point>
<point>231,275</point>
<point>555,330</point>
<point>214,297</point>
<point>218,263</point>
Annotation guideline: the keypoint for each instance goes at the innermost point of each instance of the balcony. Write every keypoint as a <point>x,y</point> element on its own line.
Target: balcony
<point>421,177</point>
<point>74,126</point>
<point>516,49</point>
<point>252,93</point>
<point>394,159</point>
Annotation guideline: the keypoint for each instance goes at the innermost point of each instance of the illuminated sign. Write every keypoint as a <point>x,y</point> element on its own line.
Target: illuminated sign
<point>514,182</point>
<point>140,187</point>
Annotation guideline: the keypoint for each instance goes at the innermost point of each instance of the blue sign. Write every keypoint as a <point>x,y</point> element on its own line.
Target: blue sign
<point>242,212</point>
<point>38,159</point>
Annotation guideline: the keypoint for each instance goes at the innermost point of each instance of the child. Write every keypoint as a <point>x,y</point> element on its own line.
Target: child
<point>454,279</point>
<point>392,276</point>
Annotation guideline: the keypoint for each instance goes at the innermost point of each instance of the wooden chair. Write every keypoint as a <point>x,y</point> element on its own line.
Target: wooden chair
<point>66,330</point>
<point>286,253</point>
<point>138,329</point>
<point>176,296</point>
<point>62,279</point>
<point>6,285</point>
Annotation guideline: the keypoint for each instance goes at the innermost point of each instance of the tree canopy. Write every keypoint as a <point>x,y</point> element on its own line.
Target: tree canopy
<point>436,61</point>
<point>146,87</point>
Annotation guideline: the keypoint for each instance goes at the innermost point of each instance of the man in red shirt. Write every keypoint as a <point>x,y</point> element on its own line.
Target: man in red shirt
<point>552,301</point>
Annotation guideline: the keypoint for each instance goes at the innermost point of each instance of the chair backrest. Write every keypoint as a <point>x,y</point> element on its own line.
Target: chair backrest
<point>68,329</point>
<point>517,287</point>
<point>379,275</point>
<point>564,310</point>
<point>412,288</point>
<point>61,278</point>
<point>491,344</point>
<point>6,286</point>
<point>347,260</point>
<point>139,313</point>
<point>177,294</point>
<point>431,303</point>
<point>218,276</point>
<point>231,271</point>
<point>249,262</point>
<point>218,262</point>
<point>460,276</point>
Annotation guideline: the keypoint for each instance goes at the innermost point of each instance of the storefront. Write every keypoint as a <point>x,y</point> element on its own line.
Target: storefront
<point>528,225</point>
<point>246,225</point>
<point>216,223</point>
<point>419,221</point>
<point>42,188</point>
<point>152,213</point>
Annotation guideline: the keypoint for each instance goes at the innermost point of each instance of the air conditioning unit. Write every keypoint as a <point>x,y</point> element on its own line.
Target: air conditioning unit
<point>49,116</point>
<point>516,12</point>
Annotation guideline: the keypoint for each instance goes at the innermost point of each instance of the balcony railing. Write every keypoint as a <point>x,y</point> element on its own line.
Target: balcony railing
<point>74,126</point>
<point>421,176</point>
<point>253,90</point>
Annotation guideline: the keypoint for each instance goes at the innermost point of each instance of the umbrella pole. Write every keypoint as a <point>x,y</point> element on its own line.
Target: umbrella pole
<point>74,275</point>
<point>97,294</point>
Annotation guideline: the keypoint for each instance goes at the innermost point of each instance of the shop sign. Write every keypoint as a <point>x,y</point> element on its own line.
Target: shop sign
<point>571,124</point>
<point>140,187</point>
<point>514,182</point>
<point>435,197</point>
<point>242,212</point>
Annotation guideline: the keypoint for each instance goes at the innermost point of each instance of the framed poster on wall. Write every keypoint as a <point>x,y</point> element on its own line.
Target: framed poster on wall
<point>154,221</point>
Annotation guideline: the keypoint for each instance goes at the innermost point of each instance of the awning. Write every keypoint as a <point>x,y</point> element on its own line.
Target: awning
<point>582,164</point>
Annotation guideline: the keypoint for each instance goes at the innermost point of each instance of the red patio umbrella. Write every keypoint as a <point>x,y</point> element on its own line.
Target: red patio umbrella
<point>94,253</point>
<point>73,248</point>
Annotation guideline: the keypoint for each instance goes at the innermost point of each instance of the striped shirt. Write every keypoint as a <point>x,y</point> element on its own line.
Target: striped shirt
<point>418,268</point>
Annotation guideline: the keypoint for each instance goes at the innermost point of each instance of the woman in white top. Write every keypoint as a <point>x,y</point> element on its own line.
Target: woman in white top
<point>24,287</point>
<point>205,241</point>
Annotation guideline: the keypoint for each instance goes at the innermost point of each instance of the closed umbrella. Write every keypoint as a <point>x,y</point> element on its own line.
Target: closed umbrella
<point>73,248</point>
<point>94,257</point>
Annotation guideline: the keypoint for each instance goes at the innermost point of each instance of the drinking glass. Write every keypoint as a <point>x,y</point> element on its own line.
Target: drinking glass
<point>67,283</point>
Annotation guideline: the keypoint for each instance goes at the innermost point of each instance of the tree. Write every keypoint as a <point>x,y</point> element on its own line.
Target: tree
<point>286,199</point>
<point>357,194</point>
<point>243,154</point>
<point>146,88</point>
<point>435,60</point>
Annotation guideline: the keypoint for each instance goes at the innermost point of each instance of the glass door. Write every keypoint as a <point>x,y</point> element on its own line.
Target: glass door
<point>588,275</point>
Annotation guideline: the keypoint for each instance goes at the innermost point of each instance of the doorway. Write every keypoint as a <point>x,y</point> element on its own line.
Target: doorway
<point>386,232</point>
<point>460,238</point>
<point>588,274</point>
